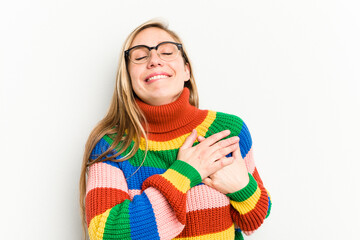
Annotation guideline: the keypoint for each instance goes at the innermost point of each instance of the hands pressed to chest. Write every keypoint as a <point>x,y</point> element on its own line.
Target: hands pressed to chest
<point>225,174</point>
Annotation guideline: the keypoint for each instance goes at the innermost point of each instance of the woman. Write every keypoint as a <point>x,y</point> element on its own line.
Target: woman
<point>160,168</point>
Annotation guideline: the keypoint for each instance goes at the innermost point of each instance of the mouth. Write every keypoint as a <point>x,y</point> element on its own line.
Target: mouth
<point>157,76</point>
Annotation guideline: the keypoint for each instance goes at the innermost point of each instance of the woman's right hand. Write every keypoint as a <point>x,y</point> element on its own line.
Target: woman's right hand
<point>208,156</point>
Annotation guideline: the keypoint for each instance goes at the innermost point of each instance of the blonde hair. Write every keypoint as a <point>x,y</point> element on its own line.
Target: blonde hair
<point>124,115</point>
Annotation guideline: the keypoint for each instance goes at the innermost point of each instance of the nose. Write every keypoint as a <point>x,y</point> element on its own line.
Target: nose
<point>154,59</point>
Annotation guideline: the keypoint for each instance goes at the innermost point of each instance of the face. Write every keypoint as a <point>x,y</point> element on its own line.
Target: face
<point>157,82</point>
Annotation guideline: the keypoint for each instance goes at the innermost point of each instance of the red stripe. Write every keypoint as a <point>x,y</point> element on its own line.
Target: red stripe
<point>176,198</point>
<point>256,176</point>
<point>167,136</point>
<point>99,200</point>
<point>253,219</point>
<point>211,220</point>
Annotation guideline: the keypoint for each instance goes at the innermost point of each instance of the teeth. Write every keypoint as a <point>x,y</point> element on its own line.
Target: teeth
<point>157,77</point>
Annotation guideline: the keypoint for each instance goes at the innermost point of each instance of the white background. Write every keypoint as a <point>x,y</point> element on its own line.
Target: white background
<point>290,69</point>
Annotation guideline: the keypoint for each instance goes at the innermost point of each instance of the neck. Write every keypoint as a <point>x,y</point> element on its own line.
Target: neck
<point>169,117</point>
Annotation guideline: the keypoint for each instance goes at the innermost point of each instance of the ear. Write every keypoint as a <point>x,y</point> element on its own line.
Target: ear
<point>187,72</point>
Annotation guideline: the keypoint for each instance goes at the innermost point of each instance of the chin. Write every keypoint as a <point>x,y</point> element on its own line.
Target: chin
<point>163,98</point>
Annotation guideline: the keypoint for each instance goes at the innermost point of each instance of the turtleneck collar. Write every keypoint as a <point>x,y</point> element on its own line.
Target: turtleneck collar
<point>169,117</point>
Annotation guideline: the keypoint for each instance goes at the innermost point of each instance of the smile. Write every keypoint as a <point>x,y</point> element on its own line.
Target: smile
<point>156,77</point>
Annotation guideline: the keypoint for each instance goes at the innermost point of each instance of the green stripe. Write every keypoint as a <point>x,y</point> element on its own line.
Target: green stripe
<point>118,223</point>
<point>225,121</point>
<point>188,171</point>
<point>246,192</point>
<point>238,236</point>
<point>269,209</point>
<point>168,157</point>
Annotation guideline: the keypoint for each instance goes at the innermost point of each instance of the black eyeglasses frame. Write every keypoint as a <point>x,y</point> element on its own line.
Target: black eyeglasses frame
<point>178,45</point>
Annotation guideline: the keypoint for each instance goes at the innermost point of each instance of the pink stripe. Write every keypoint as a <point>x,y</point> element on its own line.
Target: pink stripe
<point>166,221</point>
<point>204,197</point>
<point>245,232</point>
<point>248,232</point>
<point>133,192</point>
<point>103,175</point>
<point>249,161</point>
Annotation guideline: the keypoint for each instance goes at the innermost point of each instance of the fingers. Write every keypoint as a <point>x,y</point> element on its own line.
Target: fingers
<point>208,181</point>
<point>227,142</point>
<point>224,147</point>
<point>237,154</point>
<point>190,140</point>
<point>221,148</point>
<point>209,155</point>
<point>200,138</point>
<point>216,137</point>
<point>223,162</point>
<point>222,152</point>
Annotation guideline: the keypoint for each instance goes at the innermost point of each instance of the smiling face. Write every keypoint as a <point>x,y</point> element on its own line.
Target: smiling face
<point>157,82</point>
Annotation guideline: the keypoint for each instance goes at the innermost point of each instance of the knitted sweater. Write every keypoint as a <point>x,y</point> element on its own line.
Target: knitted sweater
<point>165,198</point>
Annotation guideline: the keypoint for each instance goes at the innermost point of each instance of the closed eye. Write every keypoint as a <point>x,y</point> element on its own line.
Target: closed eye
<point>140,58</point>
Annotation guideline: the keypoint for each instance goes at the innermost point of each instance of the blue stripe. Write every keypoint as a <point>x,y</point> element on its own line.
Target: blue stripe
<point>245,140</point>
<point>142,219</point>
<point>99,148</point>
<point>134,182</point>
<point>269,207</point>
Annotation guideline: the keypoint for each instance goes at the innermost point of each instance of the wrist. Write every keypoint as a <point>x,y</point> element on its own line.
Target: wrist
<point>239,183</point>
<point>187,171</point>
<point>246,191</point>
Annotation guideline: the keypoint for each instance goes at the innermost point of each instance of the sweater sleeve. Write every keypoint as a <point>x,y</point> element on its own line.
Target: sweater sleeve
<point>157,213</point>
<point>252,204</point>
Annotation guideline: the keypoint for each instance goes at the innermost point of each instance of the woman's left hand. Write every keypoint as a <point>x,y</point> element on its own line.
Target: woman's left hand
<point>231,178</point>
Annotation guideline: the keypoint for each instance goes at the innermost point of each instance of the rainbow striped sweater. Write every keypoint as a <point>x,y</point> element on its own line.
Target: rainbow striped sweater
<point>165,198</point>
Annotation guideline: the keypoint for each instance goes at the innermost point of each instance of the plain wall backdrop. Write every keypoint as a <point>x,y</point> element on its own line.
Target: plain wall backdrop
<point>289,69</point>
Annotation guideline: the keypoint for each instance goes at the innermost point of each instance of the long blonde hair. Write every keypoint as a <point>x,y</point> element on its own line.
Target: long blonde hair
<point>124,114</point>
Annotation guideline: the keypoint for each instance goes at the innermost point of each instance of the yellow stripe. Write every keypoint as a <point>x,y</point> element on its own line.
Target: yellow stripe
<point>247,205</point>
<point>178,142</point>
<point>181,182</point>
<point>227,234</point>
<point>268,194</point>
<point>97,226</point>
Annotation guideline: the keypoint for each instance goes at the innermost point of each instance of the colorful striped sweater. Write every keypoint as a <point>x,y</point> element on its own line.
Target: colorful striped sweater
<point>165,198</point>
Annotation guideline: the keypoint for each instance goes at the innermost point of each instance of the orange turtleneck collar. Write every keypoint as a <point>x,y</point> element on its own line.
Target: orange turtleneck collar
<point>171,120</point>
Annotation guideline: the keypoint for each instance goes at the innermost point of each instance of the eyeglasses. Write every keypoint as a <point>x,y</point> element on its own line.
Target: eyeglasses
<point>166,51</point>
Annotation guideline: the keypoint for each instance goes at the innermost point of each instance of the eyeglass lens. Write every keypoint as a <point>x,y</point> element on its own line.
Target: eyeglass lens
<point>166,51</point>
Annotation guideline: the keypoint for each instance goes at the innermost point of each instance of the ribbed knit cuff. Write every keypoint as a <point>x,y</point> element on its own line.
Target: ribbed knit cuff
<point>188,171</point>
<point>246,192</point>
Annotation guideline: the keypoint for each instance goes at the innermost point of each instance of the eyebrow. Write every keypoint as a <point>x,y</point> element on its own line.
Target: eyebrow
<point>154,45</point>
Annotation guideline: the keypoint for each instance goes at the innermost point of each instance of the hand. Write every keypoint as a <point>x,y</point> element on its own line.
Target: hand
<point>208,156</point>
<point>230,178</point>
